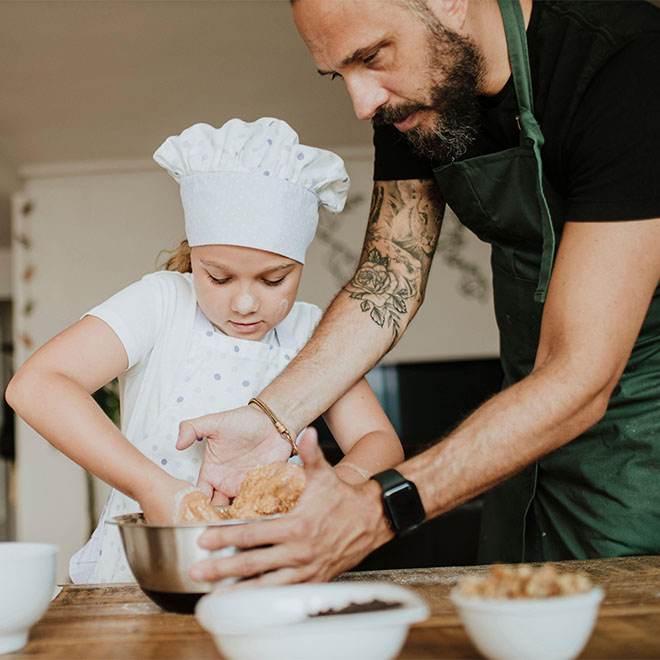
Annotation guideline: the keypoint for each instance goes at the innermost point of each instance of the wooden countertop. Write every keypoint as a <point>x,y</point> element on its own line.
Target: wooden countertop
<point>118,621</point>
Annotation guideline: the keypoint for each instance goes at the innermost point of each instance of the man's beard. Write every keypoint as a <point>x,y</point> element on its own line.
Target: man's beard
<point>454,101</point>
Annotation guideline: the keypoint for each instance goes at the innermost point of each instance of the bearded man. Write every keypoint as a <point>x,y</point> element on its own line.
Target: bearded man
<point>537,122</point>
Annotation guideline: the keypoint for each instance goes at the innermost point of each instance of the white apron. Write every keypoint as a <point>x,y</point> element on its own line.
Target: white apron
<point>220,373</point>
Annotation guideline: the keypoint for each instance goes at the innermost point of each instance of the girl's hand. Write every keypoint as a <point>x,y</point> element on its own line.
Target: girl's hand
<point>165,501</point>
<point>236,441</point>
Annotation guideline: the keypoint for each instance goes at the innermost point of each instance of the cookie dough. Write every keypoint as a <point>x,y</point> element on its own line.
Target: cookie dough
<point>268,490</point>
<point>194,506</point>
<point>265,491</point>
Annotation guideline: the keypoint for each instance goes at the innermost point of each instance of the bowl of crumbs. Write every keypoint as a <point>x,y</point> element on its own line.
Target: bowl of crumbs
<point>161,555</point>
<point>329,621</point>
<point>524,611</point>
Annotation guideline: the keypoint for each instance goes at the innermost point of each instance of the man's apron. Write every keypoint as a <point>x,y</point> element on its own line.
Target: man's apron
<point>599,495</point>
<point>219,373</point>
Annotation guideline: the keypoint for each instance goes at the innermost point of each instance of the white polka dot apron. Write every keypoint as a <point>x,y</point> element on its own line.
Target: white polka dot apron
<point>219,373</point>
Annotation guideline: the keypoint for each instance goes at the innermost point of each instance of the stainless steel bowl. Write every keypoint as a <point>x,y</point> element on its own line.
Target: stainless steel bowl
<point>161,557</point>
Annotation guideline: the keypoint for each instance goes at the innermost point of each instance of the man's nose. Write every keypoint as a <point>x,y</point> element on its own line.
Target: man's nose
<point>367,95</point>
<point>244,302</point>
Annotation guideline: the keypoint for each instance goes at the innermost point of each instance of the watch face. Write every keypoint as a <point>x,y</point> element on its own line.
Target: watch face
<point>404,507</point>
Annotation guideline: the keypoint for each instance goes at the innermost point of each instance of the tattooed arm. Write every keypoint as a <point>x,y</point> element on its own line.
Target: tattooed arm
<point>371,312</point>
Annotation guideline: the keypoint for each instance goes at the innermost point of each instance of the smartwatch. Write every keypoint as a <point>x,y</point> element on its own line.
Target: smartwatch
<point>402,505</point>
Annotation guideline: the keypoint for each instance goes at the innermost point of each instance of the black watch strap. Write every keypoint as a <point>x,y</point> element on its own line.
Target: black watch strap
<point>402,504</point>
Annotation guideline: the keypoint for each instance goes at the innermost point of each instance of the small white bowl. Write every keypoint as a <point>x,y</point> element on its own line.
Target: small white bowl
<point>275,622</point>
<point>553,628</point>
<point>27,584</point>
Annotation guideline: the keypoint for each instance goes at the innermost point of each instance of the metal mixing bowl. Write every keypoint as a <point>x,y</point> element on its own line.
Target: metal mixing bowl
<point>161,557</point>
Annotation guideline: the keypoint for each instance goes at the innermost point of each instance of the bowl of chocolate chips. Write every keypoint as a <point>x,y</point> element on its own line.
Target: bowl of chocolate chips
<point>351,621</point>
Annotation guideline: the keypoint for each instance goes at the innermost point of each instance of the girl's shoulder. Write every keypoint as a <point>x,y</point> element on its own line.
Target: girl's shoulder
<point>158,307</point>
<point>161,289</point>
<point>170,288</point>
<point>170,279</point>
<point>299,324</point>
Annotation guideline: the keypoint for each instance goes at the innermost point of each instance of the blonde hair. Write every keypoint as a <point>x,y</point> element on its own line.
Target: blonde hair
<point>178,259</point>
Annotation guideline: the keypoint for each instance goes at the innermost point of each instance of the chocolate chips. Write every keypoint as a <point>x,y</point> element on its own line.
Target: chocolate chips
<point>354,608</point>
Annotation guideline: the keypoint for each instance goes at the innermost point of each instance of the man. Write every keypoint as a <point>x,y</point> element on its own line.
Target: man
<point>554,163</point>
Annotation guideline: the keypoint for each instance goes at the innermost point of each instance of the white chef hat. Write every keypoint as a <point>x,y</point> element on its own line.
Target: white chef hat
<point>252,184</point>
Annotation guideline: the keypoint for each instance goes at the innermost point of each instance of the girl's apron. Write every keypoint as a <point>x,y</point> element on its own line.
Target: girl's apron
<point>600,494</point>
<point>220,373</point>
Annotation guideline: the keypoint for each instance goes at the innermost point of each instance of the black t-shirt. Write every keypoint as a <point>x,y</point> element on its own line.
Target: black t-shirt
<point>595,70</point>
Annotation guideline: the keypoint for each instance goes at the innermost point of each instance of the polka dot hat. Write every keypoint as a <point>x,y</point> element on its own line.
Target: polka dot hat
<point>252,184</point>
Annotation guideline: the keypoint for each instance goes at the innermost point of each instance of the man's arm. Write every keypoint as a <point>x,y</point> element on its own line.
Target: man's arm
<point>602,283</point>
<point>371,312</point>
<point>603,280</point>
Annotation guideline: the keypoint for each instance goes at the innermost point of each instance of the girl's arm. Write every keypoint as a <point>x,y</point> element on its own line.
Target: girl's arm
<point>364,433</point>
<point>52,393</point>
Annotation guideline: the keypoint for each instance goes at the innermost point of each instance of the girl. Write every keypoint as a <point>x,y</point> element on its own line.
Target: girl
<point>206,334</point>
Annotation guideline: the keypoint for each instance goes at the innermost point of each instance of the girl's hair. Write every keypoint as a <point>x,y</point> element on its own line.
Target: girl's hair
<point>178,259</point>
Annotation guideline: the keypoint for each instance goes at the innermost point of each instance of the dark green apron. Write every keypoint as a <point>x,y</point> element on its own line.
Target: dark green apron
<point>599,495</point>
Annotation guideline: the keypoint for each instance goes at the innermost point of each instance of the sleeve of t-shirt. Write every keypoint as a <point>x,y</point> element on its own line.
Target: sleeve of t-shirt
<point>394,159</point>
<point>135,314</point>
<point>614,141</point>
<point>299,325</point>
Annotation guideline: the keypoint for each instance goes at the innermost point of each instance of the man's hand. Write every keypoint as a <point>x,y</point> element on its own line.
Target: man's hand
<point>332,528</point>
<point>236,441</point>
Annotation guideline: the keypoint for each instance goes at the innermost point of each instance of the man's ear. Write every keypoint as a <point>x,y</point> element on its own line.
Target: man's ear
<point>451,13</point>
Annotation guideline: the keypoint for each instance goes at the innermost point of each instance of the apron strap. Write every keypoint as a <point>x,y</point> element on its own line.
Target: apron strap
<point>516,39</point>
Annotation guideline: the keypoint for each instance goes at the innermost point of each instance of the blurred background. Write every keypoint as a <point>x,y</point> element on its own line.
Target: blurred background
<point>90,89</point>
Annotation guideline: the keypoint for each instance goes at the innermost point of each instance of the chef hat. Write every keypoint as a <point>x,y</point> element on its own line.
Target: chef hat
<point>252,184</point>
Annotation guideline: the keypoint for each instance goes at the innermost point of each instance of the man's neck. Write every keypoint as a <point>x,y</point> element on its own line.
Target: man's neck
<point>485,27</point>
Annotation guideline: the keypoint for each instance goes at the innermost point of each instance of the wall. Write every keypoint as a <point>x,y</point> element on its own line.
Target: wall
<point>6,370</point>
<point>83,231</point>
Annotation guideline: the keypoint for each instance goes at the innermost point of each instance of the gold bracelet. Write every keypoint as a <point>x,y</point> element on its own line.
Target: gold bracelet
<point>281,429</point>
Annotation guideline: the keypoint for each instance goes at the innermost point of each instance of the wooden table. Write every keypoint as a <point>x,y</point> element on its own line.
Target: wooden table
<point>96,621</point>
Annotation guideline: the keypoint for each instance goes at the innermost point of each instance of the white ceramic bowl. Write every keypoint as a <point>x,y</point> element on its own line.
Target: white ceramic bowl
<point>27,584</point>
<point>275,622</point>
<point>555,628</point>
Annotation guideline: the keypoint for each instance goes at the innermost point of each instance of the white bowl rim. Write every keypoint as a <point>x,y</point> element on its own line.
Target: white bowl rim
<point>413,609</point>
<point>27,549</point>
<point>529,606</point>
<point>117,520</point>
